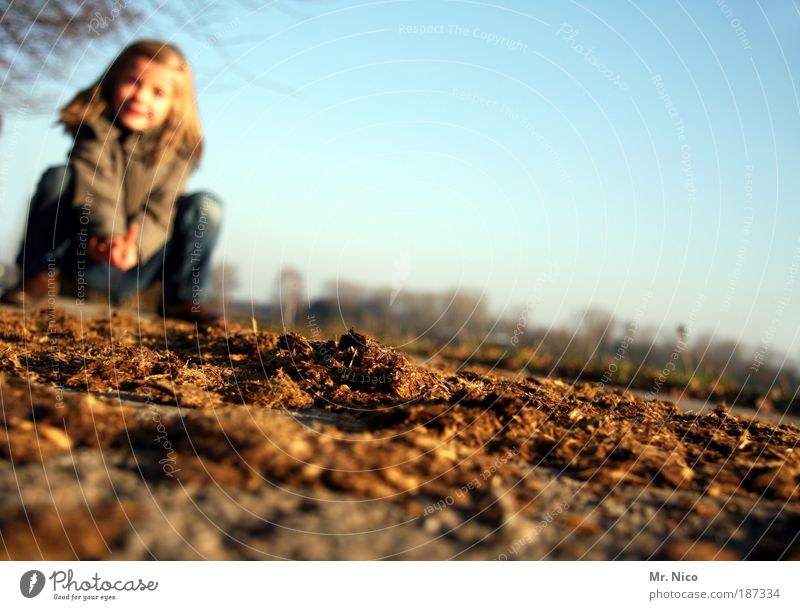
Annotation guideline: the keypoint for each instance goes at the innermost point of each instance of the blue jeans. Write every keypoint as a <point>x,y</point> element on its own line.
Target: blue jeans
<point>53,237</point>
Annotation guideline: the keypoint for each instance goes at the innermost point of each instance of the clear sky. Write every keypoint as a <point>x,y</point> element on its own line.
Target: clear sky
<point>642,157</point>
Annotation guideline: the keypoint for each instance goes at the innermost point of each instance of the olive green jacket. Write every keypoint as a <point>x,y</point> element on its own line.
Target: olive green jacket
<point>117,184</point>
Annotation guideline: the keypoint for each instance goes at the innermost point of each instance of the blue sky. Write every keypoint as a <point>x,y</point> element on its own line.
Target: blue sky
<point>638,157</point>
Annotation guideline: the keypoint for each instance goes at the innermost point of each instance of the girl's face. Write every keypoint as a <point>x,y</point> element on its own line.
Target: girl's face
<point>143,94</point>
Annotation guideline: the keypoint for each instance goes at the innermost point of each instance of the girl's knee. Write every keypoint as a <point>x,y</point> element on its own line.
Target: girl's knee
<point>204,204</point>
<point>201,211</point>
<point>55,181</point>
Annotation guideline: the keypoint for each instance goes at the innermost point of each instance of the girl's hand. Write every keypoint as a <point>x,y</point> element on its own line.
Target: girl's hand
<point>118,251</point>
<point>99,249</point>
<point>124,253</point>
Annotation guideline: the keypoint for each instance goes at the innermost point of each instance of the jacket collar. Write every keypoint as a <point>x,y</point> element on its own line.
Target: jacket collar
<point>104,128</point>
<point>140,143</point>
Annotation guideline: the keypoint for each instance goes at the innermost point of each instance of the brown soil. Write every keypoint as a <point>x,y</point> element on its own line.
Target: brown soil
<point>353,418</point>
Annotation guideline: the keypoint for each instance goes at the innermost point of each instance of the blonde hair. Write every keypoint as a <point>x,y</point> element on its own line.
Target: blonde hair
<point>182,131</point>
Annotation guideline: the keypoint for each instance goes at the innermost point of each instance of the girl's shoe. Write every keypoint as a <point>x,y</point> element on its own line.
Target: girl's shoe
<point>190,312</point>
<point>31,291</point>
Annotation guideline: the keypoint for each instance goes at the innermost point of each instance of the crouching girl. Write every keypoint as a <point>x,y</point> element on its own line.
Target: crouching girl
<point>115,218</point>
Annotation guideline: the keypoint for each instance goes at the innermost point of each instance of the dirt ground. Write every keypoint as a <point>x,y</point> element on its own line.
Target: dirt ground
<point>126,438</point>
